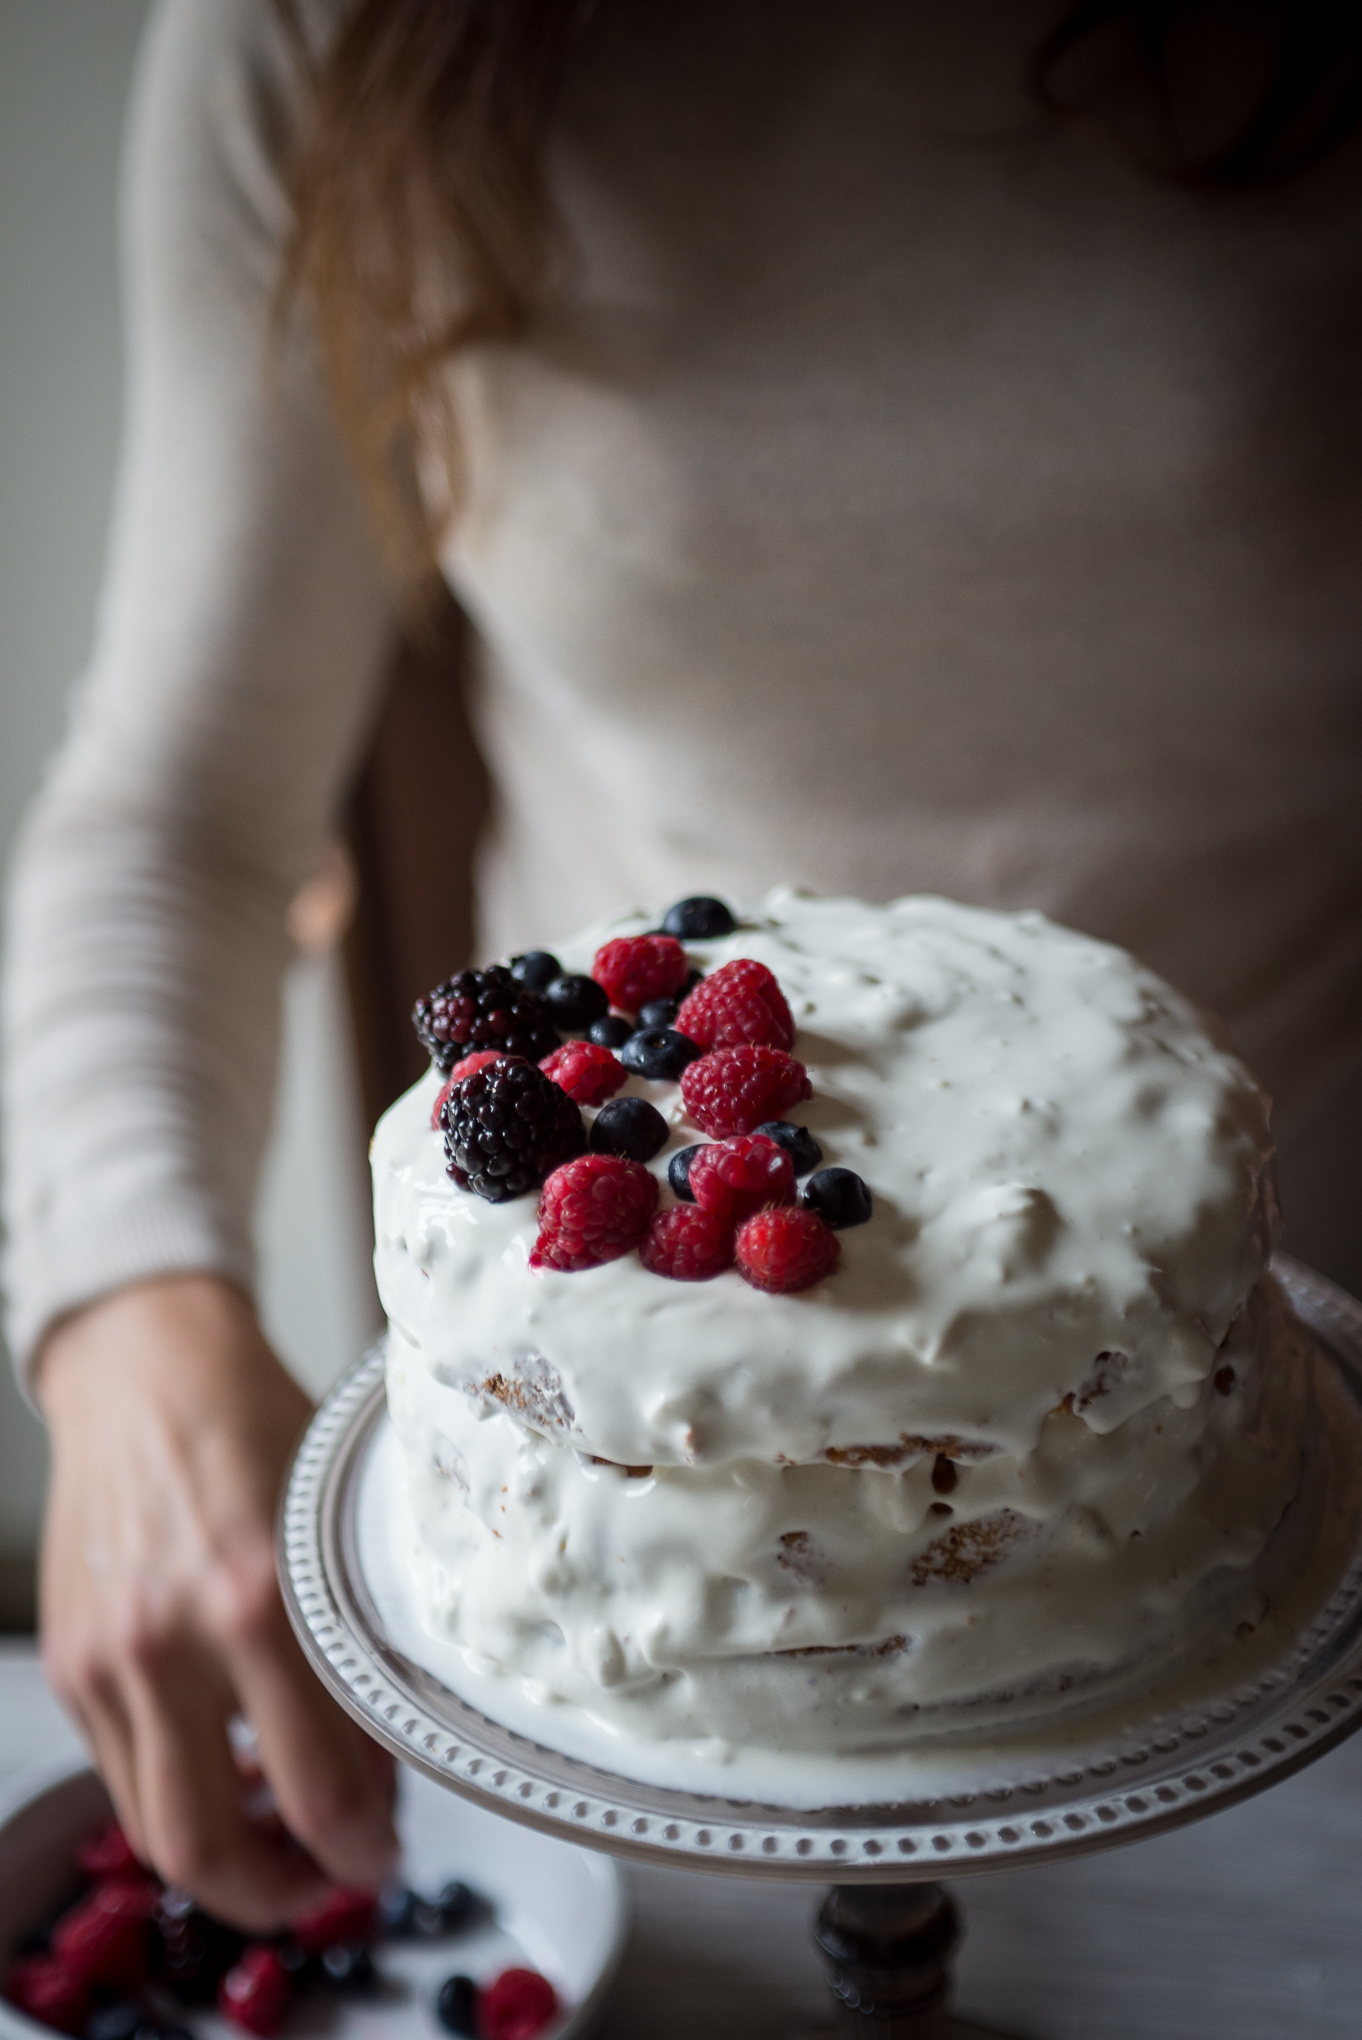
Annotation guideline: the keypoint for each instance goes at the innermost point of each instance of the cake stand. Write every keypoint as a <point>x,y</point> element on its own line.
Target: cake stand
<point>888,1928</point>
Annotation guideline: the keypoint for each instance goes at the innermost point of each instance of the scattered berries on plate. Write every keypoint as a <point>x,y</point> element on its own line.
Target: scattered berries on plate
<point>698,919</point>
<point>517,2006</point>
<point>687,1244</point>
<point>456,2006</point>
<point>798,1143</point>
<point>839,1196</point>
<point>678,1171</point>
<point>629,1126</point>
<point>592,1210</point>
<point>255,1992</point>
<point>735,1177</point>
<point>575,1002</point>
<point>740,1001</point>
<point>610,1032</point>
<point>483,1009</point>
<point>732,1090</point>
<point>659,1052</point>
<point>536,968</point>
<point>506,1128</point>
<point>785,1250</point>
<point>588,1073</point>
<point>635,969</point>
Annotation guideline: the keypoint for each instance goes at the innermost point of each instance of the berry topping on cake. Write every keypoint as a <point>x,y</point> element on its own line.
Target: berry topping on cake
<point>637,968</point>
<point>575,1001</point>
<point>591,1210</point>
<point>483,1009</point>
<point>506,1127</point>
<point>785,1249</point>
<point>734,1178</point>
<point>536,968</point>
<point>628,1126</point>
<point>740,1001</point>
<point>678,1171</point>
<point>798,1143</point>
<point>734,1089</point>
<point>586,1072</point>
<point>658,1052</point>
<point>698,919</point>
<point>687,1244</point>
<point>839,1196</point>
<point>611,1032</point>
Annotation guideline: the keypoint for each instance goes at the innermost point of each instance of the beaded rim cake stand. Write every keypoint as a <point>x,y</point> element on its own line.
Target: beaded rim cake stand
<point>1178,1765</point>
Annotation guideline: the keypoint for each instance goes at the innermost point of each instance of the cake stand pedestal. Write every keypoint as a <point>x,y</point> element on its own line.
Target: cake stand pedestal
<point>887,1929</point>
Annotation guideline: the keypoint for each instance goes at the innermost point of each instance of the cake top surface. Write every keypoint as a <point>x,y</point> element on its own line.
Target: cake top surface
<point>1071,1187</point>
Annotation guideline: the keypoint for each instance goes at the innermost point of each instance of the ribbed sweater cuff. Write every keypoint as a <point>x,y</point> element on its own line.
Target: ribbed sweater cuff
<point>145,1237</point>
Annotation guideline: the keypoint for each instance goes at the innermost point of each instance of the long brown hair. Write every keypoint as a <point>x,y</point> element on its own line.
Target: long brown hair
<point>422,220</point>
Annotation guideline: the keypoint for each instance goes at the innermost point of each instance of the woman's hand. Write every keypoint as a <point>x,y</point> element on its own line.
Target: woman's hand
<point>172,1426</point>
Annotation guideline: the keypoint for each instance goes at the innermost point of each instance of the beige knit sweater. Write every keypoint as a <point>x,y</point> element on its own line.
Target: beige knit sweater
<point>904,494</point>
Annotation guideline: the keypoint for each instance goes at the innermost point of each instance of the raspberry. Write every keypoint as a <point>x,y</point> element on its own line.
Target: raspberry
<point>477,1061</point>
<point>587,1073</point>
<point>785,1250</point>
<point>342,1915</point>
<point>254,1993</point>
<point>516,2007</point>
<point>483,1009</point>
<point>637,968</point>
<point>106,1852</point>
<point>687,1244</point>
<point>506,1127</point>
<point>593,1210</point>
<point>105,1939</point>
<point>732,1089</point>
<point>739,1002</point>
<point>49,1991</point>
<point>734,1178</point>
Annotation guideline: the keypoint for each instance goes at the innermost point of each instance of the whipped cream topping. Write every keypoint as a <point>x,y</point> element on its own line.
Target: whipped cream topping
<point>1072,1199</point>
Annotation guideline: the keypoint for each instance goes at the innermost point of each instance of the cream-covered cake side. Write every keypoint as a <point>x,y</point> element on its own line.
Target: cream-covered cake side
<point>1041,1422</point>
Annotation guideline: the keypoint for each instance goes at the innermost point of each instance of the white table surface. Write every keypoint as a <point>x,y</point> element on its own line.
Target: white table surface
<point>1245,1927</point>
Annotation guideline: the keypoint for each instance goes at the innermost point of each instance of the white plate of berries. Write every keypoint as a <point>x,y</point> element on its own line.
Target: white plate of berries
<point>488,1931</point>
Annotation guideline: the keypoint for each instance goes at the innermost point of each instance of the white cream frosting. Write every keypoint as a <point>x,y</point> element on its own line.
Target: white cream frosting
<point>1072,1205</point>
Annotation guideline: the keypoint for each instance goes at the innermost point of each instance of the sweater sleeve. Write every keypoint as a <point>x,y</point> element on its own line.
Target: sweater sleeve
<point>239,636</point>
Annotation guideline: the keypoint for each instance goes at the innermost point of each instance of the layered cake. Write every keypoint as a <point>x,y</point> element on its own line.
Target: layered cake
<point>814,1324</point>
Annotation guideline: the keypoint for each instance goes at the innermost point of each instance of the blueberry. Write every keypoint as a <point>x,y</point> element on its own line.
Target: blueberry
<point>658,1012</point>
<point>838,1196</point>
<point>536,968</point>
<point>698,919</point>
<point>575,1001</point>
<point>456,2007</point>
<point>296,1962</point>
<point>612,1032</point>
<point>658,1052</point>
<point>397,1904</point>
<point>426,1920</point>
<point>798,1143</point>
<point>116,2021</point>
<point>678,1171</point>
<point>458,1903</point>
<point>348,1966</point>
<point>629,1126</point>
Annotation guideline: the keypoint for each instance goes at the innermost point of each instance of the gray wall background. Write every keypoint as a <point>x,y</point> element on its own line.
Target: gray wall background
<point>65,69</point>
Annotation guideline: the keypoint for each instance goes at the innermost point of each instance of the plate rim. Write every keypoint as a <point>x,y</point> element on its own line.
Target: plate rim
<point>530,1782</point>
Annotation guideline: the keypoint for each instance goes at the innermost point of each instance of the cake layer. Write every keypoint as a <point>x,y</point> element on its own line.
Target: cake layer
<point>1072,1198</point>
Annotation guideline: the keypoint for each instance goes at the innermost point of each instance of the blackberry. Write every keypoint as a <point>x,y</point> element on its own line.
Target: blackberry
<point>483,1009</point>
<point>658,1012</point>
<point>798,1143</point>
<point>456,2007</point>
<point>839,1197</point>
<point>612,1032</point>
<point>505,1127</point>
<point>536,968</point>
<point>698,918</point>
<point>630,1127</point>
<point>575,1001</point>
<point>678,1171</point>
<point>659,1052</point>
<point>194,1951</point>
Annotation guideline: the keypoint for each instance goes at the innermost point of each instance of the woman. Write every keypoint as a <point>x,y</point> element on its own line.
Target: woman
<point>886,448</point>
